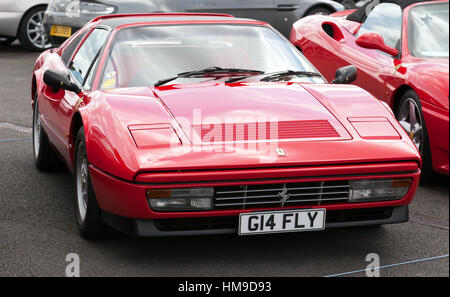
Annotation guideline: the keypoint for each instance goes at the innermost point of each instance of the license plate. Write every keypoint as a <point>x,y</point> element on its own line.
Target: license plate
<point>282,221</point>
<point>62,31</point>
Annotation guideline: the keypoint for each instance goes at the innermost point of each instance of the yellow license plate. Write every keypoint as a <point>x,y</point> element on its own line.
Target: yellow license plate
<point>62,31</point>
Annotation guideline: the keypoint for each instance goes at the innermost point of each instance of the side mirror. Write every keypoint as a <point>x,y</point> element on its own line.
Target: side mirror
<point>345,75</point>
<point>375,41</point>
<point>60,80</point>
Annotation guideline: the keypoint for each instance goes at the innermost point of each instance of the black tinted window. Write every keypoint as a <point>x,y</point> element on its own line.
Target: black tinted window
<point>386,20</point>
<point>87,54</point>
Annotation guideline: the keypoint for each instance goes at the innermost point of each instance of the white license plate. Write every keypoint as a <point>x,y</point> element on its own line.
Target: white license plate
<point>282,221</point>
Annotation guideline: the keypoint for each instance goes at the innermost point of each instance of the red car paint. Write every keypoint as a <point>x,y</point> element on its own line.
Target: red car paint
<point>382,75</point>
<point>121,170</point>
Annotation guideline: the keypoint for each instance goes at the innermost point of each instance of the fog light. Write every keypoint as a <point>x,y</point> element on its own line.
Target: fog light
<point>181,199</point>
<point>368,190</point>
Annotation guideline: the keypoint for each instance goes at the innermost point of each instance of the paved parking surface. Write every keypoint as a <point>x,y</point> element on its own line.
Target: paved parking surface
<point>37,223</point>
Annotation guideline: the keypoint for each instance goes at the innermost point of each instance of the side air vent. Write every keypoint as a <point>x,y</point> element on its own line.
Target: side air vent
<point>333,31</point>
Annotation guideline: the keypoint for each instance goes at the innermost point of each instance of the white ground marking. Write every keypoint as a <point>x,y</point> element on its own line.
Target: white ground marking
<point>15,127</point>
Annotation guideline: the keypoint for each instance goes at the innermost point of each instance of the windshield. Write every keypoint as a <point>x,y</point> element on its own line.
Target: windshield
<point>428,30</point>
<point>141,56</point>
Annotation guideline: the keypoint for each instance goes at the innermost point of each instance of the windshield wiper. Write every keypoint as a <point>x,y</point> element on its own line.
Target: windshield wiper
<point>276,75</point>
<point>201,73</point>
<point>280,74</point>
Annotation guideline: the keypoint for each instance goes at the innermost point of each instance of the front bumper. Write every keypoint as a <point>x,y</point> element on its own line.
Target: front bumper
<point>125,202</point>
<point>229,224</point>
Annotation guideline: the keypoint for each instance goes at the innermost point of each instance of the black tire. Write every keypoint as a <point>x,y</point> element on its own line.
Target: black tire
<point>90,224</point>
<point>45,158</point>
<point>322,10</point>
<point>23,35</point>
<point>6,40</point>
<point>424,148</point>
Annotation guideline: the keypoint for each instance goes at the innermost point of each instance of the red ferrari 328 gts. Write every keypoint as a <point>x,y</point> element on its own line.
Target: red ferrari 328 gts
<point>402,59</point>
<point>182,124</point>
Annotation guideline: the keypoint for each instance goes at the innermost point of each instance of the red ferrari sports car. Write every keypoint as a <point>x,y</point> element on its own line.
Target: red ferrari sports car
<point>182,124</point>
<point>402,58</point>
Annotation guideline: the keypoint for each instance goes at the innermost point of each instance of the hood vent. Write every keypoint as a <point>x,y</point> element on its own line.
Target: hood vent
<point>265,131</point>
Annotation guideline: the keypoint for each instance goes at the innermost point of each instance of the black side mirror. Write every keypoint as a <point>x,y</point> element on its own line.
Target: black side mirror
<point>60,80</point>
<point>345,75</point>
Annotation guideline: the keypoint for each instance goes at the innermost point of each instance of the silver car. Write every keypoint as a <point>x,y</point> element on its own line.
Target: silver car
<point>64,17</point>
<point>23,19</point>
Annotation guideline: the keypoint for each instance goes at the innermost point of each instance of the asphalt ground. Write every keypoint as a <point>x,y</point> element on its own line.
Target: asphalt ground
<point>38,229</point>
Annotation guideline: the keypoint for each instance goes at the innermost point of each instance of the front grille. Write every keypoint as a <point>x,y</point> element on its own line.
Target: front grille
<point>279,195</point>
<point>232,222</point>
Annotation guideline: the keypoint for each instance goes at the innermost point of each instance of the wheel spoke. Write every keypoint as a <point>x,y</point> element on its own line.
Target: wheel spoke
<point>406,126</point>
<point>418,130</point>
<point>412,114</point>
<point>82,175</point>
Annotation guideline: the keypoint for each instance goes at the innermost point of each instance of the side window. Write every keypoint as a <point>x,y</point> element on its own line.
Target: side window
<point>386,20</point>
<point>67,54</point>
<point>88,81</point>
<point>87,55</point>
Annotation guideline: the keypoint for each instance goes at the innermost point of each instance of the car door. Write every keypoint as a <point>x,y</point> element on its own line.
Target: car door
<point>81,70</point>
<point>373,65</point>
<point>262,10</point>
<point>376,66</point>
<point>287,13</point>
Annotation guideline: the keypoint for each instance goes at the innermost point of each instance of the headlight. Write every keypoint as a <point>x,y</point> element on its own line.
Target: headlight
<point>367,190</point>
<point>181,199</point>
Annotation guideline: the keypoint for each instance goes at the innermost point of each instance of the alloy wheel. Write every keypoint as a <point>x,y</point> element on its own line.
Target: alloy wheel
<point>82,179</point>
<point>410,117</point>
<point>36,32</point>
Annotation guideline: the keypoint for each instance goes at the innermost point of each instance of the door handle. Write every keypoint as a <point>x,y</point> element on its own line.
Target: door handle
<point>287,7</point>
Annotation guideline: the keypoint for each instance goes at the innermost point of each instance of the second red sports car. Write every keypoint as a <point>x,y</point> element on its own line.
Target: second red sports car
<point>402,59</point>
<point>195,124</point>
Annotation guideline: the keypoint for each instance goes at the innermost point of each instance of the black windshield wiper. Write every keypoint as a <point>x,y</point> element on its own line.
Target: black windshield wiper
<point>276,75</point>
<point>201,73</point>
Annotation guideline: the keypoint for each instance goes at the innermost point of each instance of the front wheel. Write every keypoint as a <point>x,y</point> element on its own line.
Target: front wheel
<point>88,214</point>
<point>409,115</point>
<point>31,32</point>
<point>44,156</point>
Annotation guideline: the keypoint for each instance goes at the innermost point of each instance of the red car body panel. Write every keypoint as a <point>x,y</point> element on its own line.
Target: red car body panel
<point>121,170</point>
<point>111,191</point>
<point>382,75</point>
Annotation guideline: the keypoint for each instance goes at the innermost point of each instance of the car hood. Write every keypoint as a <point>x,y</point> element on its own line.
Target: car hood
<point>217,112</point>
<point>126,128</point>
